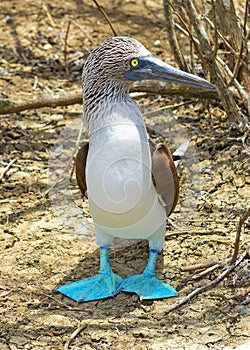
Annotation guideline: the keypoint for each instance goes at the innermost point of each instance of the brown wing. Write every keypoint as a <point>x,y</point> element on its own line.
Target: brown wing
<point>81,159</point>
<point>163,172</point>
<point>165,176</point>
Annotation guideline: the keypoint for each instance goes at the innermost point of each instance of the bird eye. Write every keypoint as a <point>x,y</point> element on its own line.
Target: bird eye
<point>134,62</point>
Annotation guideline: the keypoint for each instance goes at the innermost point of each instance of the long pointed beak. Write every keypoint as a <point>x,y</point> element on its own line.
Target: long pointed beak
<point>152,68</point>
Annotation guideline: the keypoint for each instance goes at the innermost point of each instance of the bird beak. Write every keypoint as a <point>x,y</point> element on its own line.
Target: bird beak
<point>152,68</point>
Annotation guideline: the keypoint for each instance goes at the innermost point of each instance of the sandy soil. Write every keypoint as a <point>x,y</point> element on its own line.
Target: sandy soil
<point>41,244</point>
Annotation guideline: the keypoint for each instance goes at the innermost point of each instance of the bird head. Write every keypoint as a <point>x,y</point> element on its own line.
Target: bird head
<point>112,59</point>
<point>126,60</point>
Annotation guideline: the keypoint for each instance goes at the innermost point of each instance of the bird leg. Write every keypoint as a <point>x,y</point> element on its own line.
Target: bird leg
<point>101,286</point>
<point>146,285</point>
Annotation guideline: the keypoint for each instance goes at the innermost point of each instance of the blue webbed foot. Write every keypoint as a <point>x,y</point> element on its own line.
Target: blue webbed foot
<point>146,285</point>
<point>92,288</point>
<point>103,285</point>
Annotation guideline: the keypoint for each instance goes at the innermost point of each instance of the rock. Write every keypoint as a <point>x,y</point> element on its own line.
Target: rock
<point>4,346</point>
<point>196,346</point>
<point>47,47</point>
<point>157,43</point>
<point>242,328</point>
<point>208,335</point>
<point>245,346</point>
<point>239,181</point>
<point>18,340</point>
<point>55,321</point>
<point>243,310</point>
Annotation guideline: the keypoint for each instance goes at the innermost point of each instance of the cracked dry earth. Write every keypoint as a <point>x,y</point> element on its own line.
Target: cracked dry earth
<point>44,221</point>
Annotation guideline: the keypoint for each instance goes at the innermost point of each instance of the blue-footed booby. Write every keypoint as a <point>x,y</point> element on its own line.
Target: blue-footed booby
<point>132,184</point>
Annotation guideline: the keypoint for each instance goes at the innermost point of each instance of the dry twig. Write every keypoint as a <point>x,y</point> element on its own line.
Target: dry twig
<point>61,303</point>
<point>74,335</point>
<point>211,266</point>
<point>106,17</point>
<point>225,41</point>
<point>234,296</point>
<point>173,106</point>
<point>6,169</point>
<point>70,98</point>
<point>222,262</point>
<point>237,238</point>
<point>203,48</point>
<point>205,272</point>
<point>205,265</point>
<point>193,232</point>
<point>242,45</point>
<point>196,45</point>
<point>65,48</point>
<point>66,61</point>
<point>228,72</point>
<point>7,106</point>
<point>226,98</point>
<point>210,284</point>
<point>46,10</point>
<point>180,60</point>
<point>216,45</point>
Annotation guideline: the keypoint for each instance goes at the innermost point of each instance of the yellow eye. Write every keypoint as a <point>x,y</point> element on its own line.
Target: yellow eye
<point>134,62</point>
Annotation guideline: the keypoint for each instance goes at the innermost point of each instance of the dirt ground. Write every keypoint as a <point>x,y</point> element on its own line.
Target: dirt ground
<point>43,242</point>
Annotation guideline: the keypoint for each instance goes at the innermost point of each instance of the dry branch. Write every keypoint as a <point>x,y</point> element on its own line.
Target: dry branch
<point>241,60</point>
<point>207,48</point>
<point>222,262</point>
<point>8,106</point>
<point>46,10</point>
<point>74,335</point>
<point>172,38</point>
<point>204,265</point>
<point>65,48</point>
<point>227,99</point>
<point>238,232</point>
<point>7,168</point>
<point>106,17</point>
<point>210,284</point>
<point>211,266</point>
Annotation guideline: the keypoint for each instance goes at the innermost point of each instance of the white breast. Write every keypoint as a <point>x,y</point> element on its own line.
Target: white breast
<point>122,198</point>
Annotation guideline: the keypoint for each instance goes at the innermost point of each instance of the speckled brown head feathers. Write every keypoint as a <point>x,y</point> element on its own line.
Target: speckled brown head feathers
<point>110,60</point>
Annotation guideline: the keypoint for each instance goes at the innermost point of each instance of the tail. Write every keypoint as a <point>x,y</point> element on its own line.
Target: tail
<point>180,152</point>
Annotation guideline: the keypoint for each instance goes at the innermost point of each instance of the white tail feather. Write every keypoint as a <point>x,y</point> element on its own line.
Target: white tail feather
<point>180,152</point>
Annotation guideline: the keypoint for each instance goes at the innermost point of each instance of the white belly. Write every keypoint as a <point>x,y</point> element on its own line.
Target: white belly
<point>122,198</point>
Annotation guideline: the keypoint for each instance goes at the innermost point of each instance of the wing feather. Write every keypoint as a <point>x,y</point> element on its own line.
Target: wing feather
<point>165,176</point>
<point>81,159</point>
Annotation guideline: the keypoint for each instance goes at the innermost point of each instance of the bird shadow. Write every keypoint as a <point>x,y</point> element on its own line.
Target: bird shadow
<point>125,260</point>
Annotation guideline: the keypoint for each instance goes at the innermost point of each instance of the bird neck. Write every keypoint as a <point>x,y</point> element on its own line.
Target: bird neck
<point>107,106</point>
<point>100,90</point>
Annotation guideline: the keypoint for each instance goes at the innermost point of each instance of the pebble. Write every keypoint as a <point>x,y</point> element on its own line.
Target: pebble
<point>157,43</point>
<point>47,47</point>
